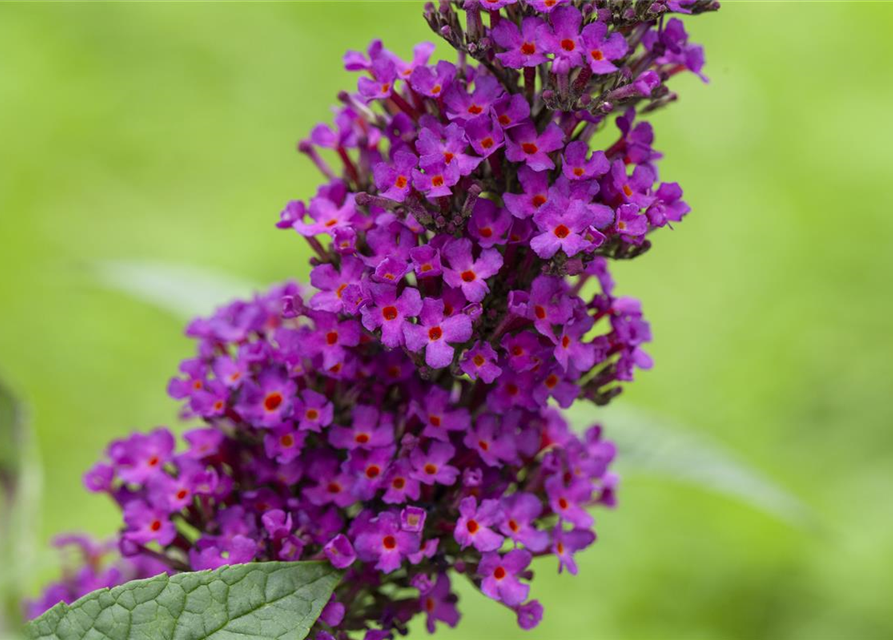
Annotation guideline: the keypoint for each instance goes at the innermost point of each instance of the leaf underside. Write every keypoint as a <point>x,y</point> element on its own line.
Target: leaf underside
<point>256,601</point>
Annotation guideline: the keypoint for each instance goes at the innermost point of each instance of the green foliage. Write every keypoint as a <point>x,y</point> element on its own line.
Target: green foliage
<point>257,601</point>
<point>19,499</point>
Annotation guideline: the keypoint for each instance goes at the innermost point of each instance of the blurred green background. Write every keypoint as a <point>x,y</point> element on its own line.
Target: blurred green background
<point>165,132</point>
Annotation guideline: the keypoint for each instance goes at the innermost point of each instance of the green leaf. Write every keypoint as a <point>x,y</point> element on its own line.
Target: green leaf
<point>182,290</point>
<point>653,446</point>
<point>256,601</point>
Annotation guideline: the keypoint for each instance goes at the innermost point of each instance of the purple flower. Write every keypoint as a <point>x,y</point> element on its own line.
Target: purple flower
<point>421,53</point>
<point>677,50</point>
<point>469,274</point>
<point>564,229</point>
<point>332,614</point>
<point>147,524</point>
<point>436,179</point>
<point>474,525</point>
<point>530,614</point>
<point>489,224</point>
<point>142,455</point>
<point>269,401</point>
<point>284,444</point>
<point>464,106</point>
<point>214,552</point>
<point>369,468</point>
<point>426,261</point>
<point>381,85</point>
<point>525,145</point>
<point>630,223</point>
<point>536,193</point>
<point>493,447</point>
<point>412,519</point>
<point>368,431</point>
<point>327,216</point>
<point>313,411</point>
<point>340,552</point>
<point>523,350</point>
<point>602,49</point>
<point>334,285</point>
<point>438,416</point>
<point>435,334</point>
<point>433,82</point>
<point>510,111</point>
<point>546,6</point>
<point>669,206</point>
<point>570,350</point>
<point>567,543</point>
<point>382,541</point>
<point>440,604</point>
<point>523,48</point>
<point>632,189</point>
<point>500,576</point>
<point>390,312</point>
<point>400,484</point>
<point>563,40</point>
<point>480,362</point>
<point>445,145</point>
<point>577,167</point>
<point>432,466</point>
<point>521,510</point>
<point>484,134</point>
<point>394,181</point>
<point>567,501</point>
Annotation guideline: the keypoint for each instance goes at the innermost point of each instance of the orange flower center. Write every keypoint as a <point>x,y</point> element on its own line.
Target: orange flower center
<point>272,401</point>
<point>469,276</point>
<point>389,313</point>
<point>435,333</point>
<point>529,148</point>
<point>528,48</point>
<point>562,231</point>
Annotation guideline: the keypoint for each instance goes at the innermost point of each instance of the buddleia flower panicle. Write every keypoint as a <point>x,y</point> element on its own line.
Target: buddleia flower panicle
<point>400,417</point>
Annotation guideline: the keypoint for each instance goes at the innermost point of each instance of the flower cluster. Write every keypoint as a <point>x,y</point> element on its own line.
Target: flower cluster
<point>400,418</point>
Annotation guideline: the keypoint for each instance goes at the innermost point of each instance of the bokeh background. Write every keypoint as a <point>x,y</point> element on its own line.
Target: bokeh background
<point>164,133</point>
